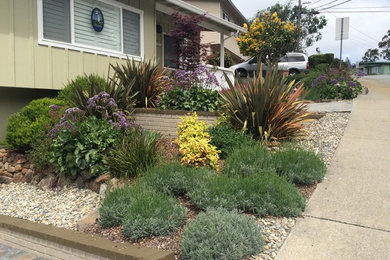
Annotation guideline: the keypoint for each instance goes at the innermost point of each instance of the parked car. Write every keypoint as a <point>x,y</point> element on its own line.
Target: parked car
<point>293,62</point>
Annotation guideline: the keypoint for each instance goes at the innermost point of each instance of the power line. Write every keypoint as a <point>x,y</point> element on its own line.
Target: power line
<point>334,5</point>
<point>361,7</point>
<point>347,11</point>
<point>327,3</point>
<point>314,2</point>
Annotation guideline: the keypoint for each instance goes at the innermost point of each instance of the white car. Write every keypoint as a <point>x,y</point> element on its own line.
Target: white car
<point>293,62</point>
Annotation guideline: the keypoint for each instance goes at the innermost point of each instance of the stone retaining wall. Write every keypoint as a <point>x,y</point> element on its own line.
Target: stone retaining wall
<point>15,167</point>
<point>165,121</point>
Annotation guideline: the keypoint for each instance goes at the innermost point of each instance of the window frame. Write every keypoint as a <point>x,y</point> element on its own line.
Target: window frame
<point>92,49</point>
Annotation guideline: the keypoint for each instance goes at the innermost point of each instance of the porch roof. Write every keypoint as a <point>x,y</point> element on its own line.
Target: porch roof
<point>213,23</point>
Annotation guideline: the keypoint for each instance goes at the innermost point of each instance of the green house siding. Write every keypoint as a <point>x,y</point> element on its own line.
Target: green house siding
<point>26,64</point>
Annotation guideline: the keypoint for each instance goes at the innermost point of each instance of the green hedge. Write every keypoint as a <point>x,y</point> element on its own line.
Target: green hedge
<point>316,59</point>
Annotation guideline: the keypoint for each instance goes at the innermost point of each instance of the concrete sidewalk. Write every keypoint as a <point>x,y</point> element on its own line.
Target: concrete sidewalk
<point>348,216</point>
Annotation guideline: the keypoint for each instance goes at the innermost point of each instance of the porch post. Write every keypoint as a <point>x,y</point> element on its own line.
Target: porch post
<point>222,51</point>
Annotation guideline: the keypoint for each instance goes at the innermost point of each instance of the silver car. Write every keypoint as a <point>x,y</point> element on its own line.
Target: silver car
<point>293,62</point>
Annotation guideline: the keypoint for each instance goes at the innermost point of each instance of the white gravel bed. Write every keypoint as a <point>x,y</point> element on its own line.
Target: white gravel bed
<point>323,135</point>
<point>58,208</point>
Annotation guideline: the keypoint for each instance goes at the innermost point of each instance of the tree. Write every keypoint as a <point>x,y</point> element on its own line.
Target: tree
<point>310,25</point>
<point>189,48</point>
<point>270,38</point>
<point>371,55</point>
<point>384,45</point>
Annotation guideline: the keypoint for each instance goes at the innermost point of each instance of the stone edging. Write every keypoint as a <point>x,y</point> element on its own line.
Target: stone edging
<point>81,241</point>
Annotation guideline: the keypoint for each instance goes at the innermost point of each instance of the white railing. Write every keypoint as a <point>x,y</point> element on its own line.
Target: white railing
<point>219,73</point>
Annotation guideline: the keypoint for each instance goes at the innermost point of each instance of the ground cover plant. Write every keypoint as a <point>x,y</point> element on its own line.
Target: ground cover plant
<point>143,212</point>
<point>175,179</point>
<point>247,160</point>
<point>30,123</point>
<point>221,234</point>
<point>298,165</point>
<point>261,194</point>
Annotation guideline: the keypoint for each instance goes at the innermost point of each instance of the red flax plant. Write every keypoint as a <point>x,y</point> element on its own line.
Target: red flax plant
<point>267,107</point>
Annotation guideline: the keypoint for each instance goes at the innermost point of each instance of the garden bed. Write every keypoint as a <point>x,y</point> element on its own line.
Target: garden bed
<point>323,137</point>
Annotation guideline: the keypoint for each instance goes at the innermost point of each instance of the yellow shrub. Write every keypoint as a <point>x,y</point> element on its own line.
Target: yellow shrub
<point>194,143</point>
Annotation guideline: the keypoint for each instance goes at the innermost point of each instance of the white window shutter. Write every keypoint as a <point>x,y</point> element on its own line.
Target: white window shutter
<point>56,20</point>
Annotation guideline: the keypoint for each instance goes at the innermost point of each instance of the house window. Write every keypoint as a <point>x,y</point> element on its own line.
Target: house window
<point>170,53</point>
<point>225,16</point>
<point>67,23</point>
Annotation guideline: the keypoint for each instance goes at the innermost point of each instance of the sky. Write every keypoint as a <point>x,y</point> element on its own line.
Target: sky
<point>365,30</point>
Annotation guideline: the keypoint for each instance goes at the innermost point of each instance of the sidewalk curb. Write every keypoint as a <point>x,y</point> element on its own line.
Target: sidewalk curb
<point>82,241</point>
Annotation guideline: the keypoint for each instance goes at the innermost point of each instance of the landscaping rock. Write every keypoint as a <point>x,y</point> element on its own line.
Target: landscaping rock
<point>20,177</point>
<point>103,178</point>
<point>64,181</point>
<point>103,189</point>
<point>18,168</point>
<point>92,218</point>
<point>5,180</point>
<point>86,175</point>
<point>80,183</point>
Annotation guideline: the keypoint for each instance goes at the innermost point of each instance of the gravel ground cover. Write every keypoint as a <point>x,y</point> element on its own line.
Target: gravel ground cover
<point>58,208</point>
<point>64,208</point>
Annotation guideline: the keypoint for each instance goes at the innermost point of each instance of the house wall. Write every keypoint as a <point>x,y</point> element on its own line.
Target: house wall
<point>217,8</point>
<point>25,64</point>
<point>29,71</point>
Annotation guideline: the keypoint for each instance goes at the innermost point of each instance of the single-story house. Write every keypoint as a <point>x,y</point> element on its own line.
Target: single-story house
<point>375,68</point>
<point>46,43</point>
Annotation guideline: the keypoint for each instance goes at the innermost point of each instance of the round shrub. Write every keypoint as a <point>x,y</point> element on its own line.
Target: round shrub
<point>299,166</point>
<point>262,194</point>
<point>226,138</point>
<point>219,234</point>
<point>175,179</point>
<point>30,123</point>
<point>248,160</point>
<point>152,214</point>
<point>91,84</point>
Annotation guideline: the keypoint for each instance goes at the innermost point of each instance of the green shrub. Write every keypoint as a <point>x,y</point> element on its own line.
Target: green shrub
<point>193,99</point>
<point>78,91</point>
<point>83,146</point>
<point>91,84</point>
<point>194,143</point>
<point>39,154</point>
<point>269,108</point>
<point>262,194</point>
<point>226,138</point>
<point>248,160</point>
<point>152,214</point>
<point>115,205</point>
<point>314,60</point>
<point>299,166</point>
<point>219,234</point>
<point>134,153</point>
<point>175,179</point>
<point>30,123</point>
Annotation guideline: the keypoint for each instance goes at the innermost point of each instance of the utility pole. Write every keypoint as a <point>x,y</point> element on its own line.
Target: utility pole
<point>299,24</point>
<point>341,42</point>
